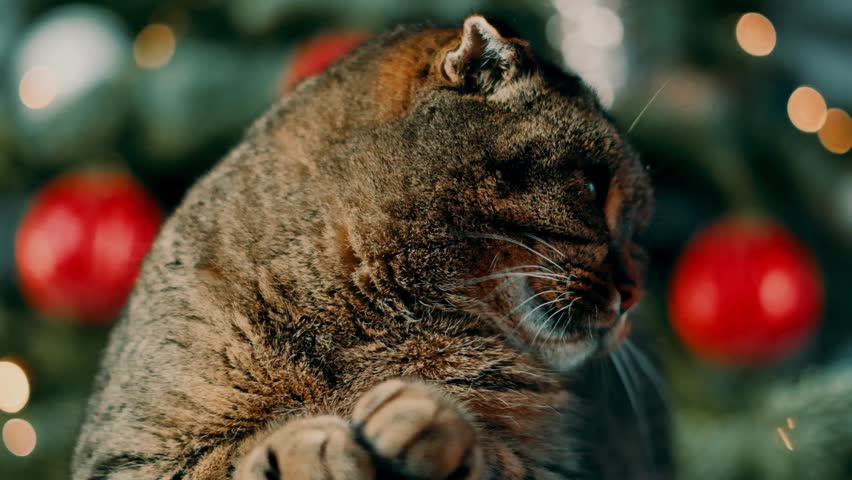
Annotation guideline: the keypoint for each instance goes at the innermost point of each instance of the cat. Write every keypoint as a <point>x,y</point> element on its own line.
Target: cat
<point>395,275</point>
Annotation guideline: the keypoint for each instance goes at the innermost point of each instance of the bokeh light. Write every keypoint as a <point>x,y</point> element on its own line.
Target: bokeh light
<point>81,45</point>
<point>37,87</point>
<point>807,109</point>
<point>601,27</point>
<point>791,423</point>
<point>14,387</point>
<point>590,34</point>
<point>755,34</point>
<point>836,133</point>
<point>19,437</point>
<point>154,46</point>
<point>788,442</point>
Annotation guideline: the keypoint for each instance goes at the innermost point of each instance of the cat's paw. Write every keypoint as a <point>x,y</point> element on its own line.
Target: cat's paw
<point>416,432</point>
<point>318,448</point>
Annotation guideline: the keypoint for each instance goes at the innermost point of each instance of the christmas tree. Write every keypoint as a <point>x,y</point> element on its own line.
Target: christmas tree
<point>739,110</point>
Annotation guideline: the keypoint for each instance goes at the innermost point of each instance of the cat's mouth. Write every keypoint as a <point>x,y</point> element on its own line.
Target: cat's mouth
<point>562,326</point>
<point>563,308</point>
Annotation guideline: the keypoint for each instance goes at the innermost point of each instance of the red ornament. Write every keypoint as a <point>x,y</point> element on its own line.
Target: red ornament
<point>315,55</point>
<point>79,246</point>
<point>745,292</point>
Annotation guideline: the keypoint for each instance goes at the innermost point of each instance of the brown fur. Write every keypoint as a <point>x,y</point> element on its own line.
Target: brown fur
<point>333,250</point>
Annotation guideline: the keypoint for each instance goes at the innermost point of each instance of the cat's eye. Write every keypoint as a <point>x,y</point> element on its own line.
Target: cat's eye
<point>590,186</point>
<point>597,183</point>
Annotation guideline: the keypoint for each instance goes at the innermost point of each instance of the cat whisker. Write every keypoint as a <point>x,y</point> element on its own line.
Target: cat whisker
<point>515,242</point>
<point>555,323</point>
<point>532,297</point>
<point>559,312</point>
<point>642,112</point>
<point>546,244</point>
<point>632,395</point>
<point>508,282</point>
<point>542,325</point>
<point>523,321</point>
<point>568,307</point>
<point>648,368</point>
<point>521,267</point>
<point>591,335</point>
<point>494,261</point>
<point>543,276</point>
<point>551,302</point>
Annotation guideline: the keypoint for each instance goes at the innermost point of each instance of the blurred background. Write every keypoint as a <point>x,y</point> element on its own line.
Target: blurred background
<point>110,110</point>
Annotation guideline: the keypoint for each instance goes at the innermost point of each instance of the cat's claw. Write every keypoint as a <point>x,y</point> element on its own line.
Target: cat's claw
<point>416,432</point>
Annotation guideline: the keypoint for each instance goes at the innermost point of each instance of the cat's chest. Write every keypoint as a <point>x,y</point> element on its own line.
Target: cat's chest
<point>456,359</point>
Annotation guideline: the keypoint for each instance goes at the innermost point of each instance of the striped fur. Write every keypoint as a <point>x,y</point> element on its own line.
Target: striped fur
<point>339,246</point>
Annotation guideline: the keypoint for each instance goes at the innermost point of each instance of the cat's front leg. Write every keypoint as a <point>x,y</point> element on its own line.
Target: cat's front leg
<point>415,431</point>
<point>398,429</point>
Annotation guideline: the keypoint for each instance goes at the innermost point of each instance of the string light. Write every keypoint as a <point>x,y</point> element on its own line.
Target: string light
<point>784,438</point>
<point>755,34</point>
<point>38,87</point>
<point>14,387</point>
<point>807,109</point>
<point>19,437</point>
<point>154,46</point>
<point>836,133</point>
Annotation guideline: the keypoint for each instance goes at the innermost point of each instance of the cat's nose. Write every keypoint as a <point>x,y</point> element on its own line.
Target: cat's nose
<point>625,283</point>
<point>629,295</point>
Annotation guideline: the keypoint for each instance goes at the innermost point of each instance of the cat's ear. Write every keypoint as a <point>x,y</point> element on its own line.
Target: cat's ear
<point>484,59</point>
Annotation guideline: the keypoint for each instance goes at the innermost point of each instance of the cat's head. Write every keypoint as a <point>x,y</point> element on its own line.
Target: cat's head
<point>489,182</point>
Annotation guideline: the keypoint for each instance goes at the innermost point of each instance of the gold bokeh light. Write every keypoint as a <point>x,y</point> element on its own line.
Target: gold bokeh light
<point>154,46</point>
<point>14,387</point>
<point>19,437</point>
<point>38,87</point>
<point>807,109</point>
<point>755,34</point>
<point>836,133</point>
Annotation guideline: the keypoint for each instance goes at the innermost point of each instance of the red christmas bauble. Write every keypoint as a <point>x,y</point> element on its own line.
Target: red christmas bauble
<point>80,244</point>
<point>315,55</point>
<point>745,292</point>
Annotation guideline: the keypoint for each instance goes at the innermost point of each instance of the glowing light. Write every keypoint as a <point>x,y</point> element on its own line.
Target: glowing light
<point>19,437</point>
<point>777,293</point>
<point>836,133</point>
<point>14,387</point>
<point>755,34</point>
<point>154,46</point>
<point>80,45</point>
<point>806,109</point>
<point>791,423</point>
<point>784,438</point>
<point>601,27</point>
<point>38,87</point>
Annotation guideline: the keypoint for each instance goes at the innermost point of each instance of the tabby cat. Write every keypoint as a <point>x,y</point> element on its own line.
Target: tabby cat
<point>397,275</point>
